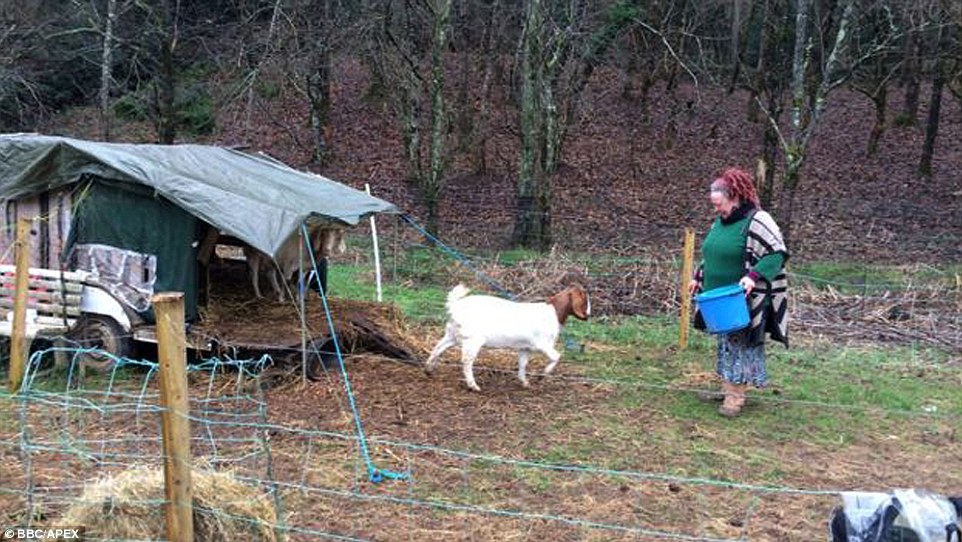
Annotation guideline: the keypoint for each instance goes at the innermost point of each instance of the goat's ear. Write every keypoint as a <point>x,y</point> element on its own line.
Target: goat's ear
<point>580,305</point>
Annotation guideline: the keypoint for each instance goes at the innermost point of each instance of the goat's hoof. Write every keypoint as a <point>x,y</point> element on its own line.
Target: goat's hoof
<point>474,386</point>
<point>525,384</point>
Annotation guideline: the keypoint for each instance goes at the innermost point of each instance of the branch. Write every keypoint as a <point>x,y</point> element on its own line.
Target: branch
<point>834,59</point>
<point>771,120</point>
<point>412,65</point>
<point>668,46</point>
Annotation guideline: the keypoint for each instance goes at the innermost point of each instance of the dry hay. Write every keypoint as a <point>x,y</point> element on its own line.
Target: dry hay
<point>126,506</point>
<point>235,319</point>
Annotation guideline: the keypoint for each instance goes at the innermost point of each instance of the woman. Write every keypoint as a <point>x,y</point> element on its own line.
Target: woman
<point>744,246</point>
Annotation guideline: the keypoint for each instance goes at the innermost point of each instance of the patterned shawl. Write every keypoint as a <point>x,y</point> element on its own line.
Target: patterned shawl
<point>763,238</point>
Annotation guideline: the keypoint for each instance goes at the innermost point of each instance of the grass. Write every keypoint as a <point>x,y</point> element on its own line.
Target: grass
<point>848,277</point>
<point>643,350</point>
<point>420,303</point>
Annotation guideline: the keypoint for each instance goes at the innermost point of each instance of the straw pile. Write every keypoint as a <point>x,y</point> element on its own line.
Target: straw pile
<point>129,506</point>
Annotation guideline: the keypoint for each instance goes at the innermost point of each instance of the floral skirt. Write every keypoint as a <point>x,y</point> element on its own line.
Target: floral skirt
<point>739,363</point>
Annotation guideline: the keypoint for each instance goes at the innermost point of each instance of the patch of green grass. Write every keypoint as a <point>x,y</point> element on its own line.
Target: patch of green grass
<point>848,277</point>
<point>517,255</point>
<point>536,480</point>
<point>422,303</point>
<point>831,397</point>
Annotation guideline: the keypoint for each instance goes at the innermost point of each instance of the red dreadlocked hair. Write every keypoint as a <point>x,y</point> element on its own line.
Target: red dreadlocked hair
<point>737,184</point>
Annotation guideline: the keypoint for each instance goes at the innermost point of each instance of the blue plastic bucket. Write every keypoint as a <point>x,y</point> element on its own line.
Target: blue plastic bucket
<point>724,309</point>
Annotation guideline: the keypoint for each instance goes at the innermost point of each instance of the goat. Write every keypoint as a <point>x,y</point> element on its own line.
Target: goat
<point>324,242</point>
<point>479,320</point>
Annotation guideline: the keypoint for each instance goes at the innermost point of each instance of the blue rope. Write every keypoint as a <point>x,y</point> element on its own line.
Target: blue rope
<point>375,475</point>
<point>570,344</point>
<point>460,257</point>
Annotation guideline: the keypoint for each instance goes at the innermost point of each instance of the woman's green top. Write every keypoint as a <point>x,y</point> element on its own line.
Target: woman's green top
<point>723,255</point>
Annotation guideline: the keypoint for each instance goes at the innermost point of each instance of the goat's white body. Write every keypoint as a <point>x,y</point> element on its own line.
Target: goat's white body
<point>505,324</point>
<point>479,320</point>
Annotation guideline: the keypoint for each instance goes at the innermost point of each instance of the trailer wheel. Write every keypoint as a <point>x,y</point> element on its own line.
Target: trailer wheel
<point>104,334</point>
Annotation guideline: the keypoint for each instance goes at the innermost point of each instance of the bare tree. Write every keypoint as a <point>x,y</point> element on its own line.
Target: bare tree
<point>910,72</point>
<point>165,89</point>
<point>431,185</point>
<point>530,172</point>
<point>942,31</point>
<point>561,45</point>
<point>410,45</point>
<point>764,68</point>
<point>817,69</point>
<point>481,128</point>
<point>875,41</point>
<point>48,60</point>
<point>954,54</point>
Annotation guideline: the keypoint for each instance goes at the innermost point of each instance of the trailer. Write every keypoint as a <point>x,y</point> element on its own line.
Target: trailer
<point>114,223</point>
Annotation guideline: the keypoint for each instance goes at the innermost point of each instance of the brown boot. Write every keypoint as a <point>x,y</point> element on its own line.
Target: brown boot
<point>734,399</point>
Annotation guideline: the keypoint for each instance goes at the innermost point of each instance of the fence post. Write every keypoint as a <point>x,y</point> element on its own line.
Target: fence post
<point>377,253</point>
<point>18,335</point>
<point>172,353</point>
<point>689,254</point>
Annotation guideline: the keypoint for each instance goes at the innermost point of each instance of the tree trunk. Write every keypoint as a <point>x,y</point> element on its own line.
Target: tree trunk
<point>809,98</point>
<point>411,128</point>
<point>105,70</point>
<point>431,187</point>
<point>481,127</point>
<point>256,68</point>
<point>319,96</point>
<point>932,124</point>
<point>319,87</point>
<point>736,29</point>
<point>786,209</point>
<point>371,54</point>
<point>166,120</point>
<point>880,100</point>
<point>529,170</point>
<point>770,147</point>
<point>911,79</point>
<point>463,110</point>
<point>551,138</point>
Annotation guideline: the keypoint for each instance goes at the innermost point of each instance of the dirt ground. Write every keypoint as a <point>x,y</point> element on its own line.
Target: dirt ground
<point>400,404</point>
<point>488,466</point>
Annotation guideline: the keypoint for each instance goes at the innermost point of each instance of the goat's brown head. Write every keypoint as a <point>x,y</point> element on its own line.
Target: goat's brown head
<point>328,240</point>
<point>573,300</point>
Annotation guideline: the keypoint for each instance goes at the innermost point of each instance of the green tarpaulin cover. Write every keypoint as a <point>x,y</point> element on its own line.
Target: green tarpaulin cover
<point>258,200</point>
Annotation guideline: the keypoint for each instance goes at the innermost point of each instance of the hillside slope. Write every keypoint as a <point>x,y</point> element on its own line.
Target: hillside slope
<point>623,188</point>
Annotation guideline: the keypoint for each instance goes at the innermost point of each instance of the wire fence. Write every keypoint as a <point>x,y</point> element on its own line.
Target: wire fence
<point>80,438</point>
<point>909,304</point>
<point>305,459</point>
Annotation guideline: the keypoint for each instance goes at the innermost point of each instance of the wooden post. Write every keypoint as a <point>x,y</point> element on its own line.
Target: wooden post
<point>172,351</point>
<point>18,337</point>
<point>689,254</point>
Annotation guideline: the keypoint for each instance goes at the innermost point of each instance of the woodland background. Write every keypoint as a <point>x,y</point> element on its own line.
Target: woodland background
<point>582,124</point>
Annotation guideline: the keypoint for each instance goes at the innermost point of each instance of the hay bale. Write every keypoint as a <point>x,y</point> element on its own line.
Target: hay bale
<point>129,506</point>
